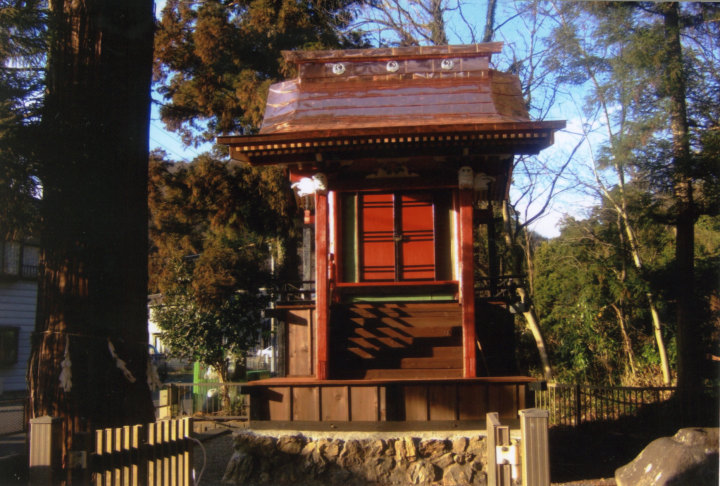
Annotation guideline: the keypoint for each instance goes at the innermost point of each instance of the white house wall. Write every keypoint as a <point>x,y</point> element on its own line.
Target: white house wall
<point>18,300</point>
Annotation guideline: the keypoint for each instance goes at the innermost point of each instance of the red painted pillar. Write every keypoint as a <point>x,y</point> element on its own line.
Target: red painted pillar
<point>467,283</point>
<point>322,310</point>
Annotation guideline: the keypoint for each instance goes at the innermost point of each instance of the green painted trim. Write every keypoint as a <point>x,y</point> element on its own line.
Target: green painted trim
<point>349,237</point>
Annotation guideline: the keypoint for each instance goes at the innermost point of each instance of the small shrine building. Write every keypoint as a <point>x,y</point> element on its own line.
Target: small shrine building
<point>397,154</point>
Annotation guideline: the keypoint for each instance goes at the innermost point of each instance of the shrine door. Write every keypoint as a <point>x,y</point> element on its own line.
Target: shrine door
<point>396,236</point>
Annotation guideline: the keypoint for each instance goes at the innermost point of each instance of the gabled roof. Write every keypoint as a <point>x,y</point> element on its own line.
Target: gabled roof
<point>374,98</point>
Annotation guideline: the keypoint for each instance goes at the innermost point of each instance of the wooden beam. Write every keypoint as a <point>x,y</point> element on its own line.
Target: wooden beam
<point>467,283</point>
<point>321,286</point>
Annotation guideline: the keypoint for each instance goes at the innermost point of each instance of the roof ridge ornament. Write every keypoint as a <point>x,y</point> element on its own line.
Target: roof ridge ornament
<point>338,68</point>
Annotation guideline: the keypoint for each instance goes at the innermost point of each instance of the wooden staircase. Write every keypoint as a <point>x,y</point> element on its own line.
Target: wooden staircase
<point>396,340</point>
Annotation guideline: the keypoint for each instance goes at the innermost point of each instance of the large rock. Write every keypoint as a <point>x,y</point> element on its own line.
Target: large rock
<point>460,445</point>
<point>433,447</point>
<point>457,475</point>
<point>476,446</point>
<point>352,455</point>
<point>688,458</point>
<point>291,444</point>
<point>421,472</point>
<point>239,468</point>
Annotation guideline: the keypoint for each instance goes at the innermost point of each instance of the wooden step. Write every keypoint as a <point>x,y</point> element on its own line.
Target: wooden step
<point>410,374</point>
<point>391,338</point>
<point>360,352</point>
<point>412,321</point>
<point>431,363</point>
<point>447,352</point>
<point>421,332</point>
<point>377,342</point>
<point>424,310</point>
<point>395,350</point>
<point>364,344</point>
<point>368,360</point>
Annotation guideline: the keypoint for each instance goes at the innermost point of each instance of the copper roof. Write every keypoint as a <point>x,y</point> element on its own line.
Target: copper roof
<point>407,96</point>
<point>393,87</point>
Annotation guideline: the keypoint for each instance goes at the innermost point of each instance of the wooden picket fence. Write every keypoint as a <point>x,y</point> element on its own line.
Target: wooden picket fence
<point>159,453</point>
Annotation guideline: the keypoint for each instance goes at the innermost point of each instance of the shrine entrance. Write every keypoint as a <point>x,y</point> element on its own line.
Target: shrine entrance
<point>396,237</point>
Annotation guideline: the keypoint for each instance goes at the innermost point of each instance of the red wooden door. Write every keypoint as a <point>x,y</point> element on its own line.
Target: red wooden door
<point>396,237</point>
<point>416,237</point>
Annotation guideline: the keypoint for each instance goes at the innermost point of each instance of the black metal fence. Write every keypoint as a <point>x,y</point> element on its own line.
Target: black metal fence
<point>577,404</point>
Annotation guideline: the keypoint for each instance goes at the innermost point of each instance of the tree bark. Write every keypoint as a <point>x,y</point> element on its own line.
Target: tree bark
<point>533,323</point>
<point>93,280</point>
<point>627,344</point>
<point>622,210</point>
<point>489,21</point>
<point>688,333</point>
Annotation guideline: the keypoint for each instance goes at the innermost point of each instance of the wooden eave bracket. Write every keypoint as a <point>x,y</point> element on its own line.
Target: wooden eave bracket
<point>528,138</point>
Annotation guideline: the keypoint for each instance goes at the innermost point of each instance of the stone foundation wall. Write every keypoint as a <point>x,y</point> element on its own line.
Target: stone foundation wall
<point>301,460</point>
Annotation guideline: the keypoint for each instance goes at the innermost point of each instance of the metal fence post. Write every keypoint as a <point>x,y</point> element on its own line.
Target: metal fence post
<point>578,405</point>
<point>534,447</point>
<point>44,456</point>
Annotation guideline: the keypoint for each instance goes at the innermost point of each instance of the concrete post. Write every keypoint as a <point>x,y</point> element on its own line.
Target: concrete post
<point>44,460</point>
<point>534,444</point>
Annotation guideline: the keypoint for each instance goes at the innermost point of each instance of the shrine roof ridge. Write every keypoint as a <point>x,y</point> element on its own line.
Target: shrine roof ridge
<point>397,53</point>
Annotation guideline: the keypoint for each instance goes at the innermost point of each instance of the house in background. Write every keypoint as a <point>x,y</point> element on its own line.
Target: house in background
<point>18,301</point>
<point>397,156</point>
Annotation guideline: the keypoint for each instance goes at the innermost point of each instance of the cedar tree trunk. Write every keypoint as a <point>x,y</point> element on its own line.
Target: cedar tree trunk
<point>93,278</point>
<point>689,348</point>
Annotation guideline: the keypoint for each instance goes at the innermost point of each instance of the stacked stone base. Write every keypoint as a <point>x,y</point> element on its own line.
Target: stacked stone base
<point>300,460</point>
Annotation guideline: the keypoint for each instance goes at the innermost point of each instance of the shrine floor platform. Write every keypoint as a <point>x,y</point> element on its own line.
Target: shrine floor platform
<point>384,403</point>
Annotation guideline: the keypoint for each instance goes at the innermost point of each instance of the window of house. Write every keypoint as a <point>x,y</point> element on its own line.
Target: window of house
<point>9,345</point>
<point>19,260</point>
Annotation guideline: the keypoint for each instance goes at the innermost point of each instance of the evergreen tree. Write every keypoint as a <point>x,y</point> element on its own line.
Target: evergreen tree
<point>212,227</point>
<point>633,56</point>
<point>215,60</point>
<point>22,49</point>
<point>588,292</point>
<point>216,224</point>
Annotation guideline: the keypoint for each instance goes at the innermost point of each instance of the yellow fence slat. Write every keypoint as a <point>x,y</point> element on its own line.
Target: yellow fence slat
<point>159,454</point>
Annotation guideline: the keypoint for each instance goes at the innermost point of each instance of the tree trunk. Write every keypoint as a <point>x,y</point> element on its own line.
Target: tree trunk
<point>489,21</point>
<point>533,323</point>
<point>689,343</point>
<point>437,27</point>
<point>93,280</point>
<point>531,319</point>
<point>637,260</point>
<point>627,344</point>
